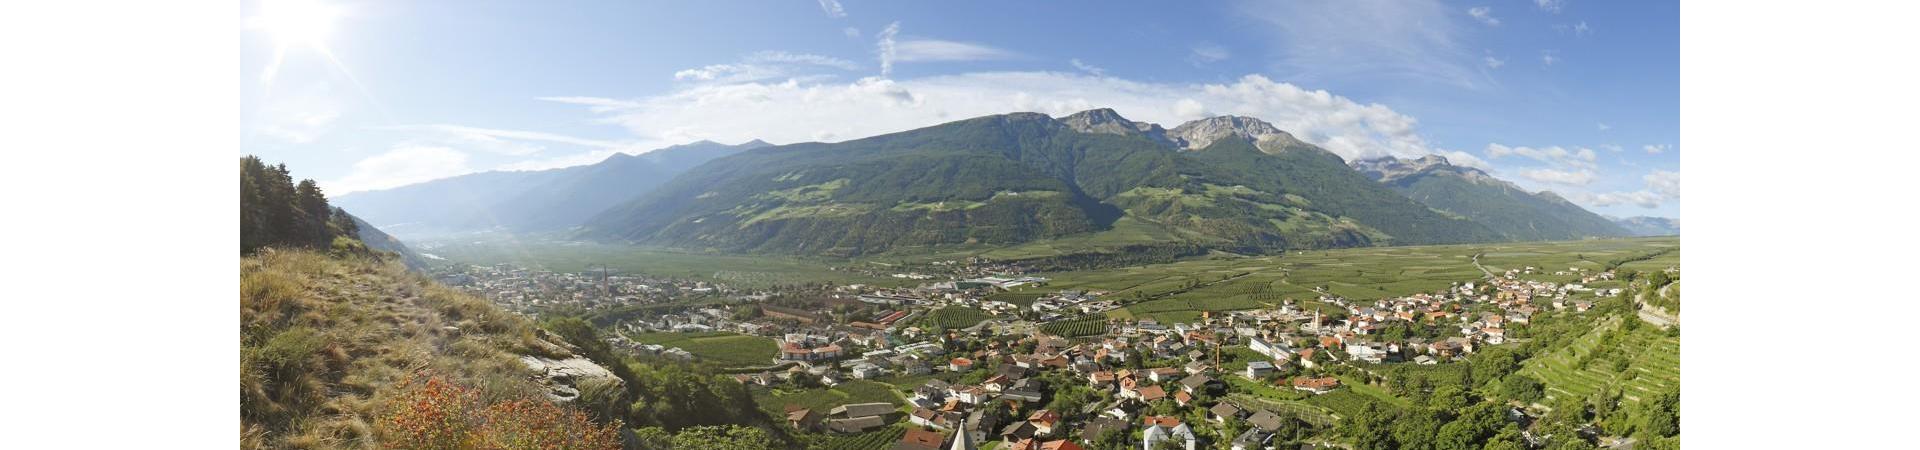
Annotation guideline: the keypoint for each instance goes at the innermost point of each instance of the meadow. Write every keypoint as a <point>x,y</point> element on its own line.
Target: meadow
<point>727,349</point>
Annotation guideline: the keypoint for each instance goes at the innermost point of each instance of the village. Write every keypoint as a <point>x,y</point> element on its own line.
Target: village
<point>1007,381</point>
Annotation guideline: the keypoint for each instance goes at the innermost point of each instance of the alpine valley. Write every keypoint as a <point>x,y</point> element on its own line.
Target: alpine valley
<point>1226,183</point>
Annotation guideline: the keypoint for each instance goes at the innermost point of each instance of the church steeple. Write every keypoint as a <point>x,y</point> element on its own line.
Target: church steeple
<point>962,440</point>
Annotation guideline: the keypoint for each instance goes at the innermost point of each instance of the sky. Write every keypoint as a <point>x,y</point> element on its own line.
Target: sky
<point>1580,97</point>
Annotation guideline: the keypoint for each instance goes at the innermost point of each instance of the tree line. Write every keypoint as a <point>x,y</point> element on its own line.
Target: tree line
<point>277,212</point>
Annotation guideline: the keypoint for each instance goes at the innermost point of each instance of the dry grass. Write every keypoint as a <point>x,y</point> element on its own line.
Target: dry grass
<point>323,342</point>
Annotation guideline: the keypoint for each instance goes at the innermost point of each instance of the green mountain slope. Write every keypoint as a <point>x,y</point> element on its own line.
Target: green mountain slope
<point>1025,177</point>
<point>524,201</point>
<point>1467,192</point>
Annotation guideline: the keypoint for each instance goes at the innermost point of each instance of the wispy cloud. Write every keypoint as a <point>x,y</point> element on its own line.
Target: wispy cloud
<point>1320,41</point>
<point>1494,63</point>
<point>894,50</point>
<point>1563,166</point>
<point>1088,68</point>
<point>1655,149</point>
<point>1661,186</point>
<point>1484,14</point>
<point>764,65</point>
<point>833,8</point>
<point>795,111</point>
<point>1602,126</point>
<point>1552,6</point>
<point>1207,53</point>
<point>496,140</point>
<point>400,166</point>
<point>1549,57</point>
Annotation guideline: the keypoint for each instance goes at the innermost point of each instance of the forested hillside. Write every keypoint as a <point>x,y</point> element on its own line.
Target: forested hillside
<point>1021,177</point>
<point>1502,206</point>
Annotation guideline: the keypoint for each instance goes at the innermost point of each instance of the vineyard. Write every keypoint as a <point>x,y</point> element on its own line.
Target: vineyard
<point>725,348</point>
<point>871,440</point>
<point>957,317</point>
<point>1085,326</point>
<point>1343,401</point>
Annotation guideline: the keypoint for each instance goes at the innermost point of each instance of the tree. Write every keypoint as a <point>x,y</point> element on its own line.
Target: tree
<point>1523,388</point>
<point>730,437</point>
<point>1660,416</point>
<point>1449,399</point>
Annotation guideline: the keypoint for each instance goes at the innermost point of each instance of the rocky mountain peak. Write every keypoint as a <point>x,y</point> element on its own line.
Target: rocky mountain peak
<point>1107,121</point>
<point>1201,133</point>
<point>1388,169</point>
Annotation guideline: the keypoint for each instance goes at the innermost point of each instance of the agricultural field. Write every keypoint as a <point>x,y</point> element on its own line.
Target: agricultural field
<point>823,399</point>
<point>1180,291</point>
<point>1085,326</point>
<point>755,271</point>
<point>1640,362</point>
<point>725,348</point>
<point>880,439</point>
<point>953,317</point>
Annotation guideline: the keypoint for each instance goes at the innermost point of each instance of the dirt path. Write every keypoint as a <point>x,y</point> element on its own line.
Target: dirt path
<point>1483,269</point>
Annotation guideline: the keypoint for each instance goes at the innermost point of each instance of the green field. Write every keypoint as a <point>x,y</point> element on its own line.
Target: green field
<point>1652,358</point>
<point>957,317</point>
<point>738,270</point>
<point>725,348</point>
<point>1361,274</point>
<point>824,399</point>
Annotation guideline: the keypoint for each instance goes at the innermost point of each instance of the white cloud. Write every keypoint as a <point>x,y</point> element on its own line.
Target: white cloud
<point>833,8</point>
<point>1327,41</point>
<point>1549,57</point>
<point>1661,186</point>
<point>1494,63</point>
<point>1616,148</point>
<point>1579,157</point>
<point>1581,29</point>
<point>1576,177</point>
<point>1602,126</point>
<point>1552,6</point>
<point>1208,53</point>
<point>400,166</point>
<point>795,111</point>
<point>893,50</point>
<point>597,104</point>
<point>764,65</point>
<point>1484,15</point>
<point>1653,149</point>
<point>884,45</point>
<point>851,32</point>
<point>939,50</point>
<point>1088,68</point>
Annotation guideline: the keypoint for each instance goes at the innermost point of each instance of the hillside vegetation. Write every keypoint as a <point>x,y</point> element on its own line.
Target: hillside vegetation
<point>1018,178</point>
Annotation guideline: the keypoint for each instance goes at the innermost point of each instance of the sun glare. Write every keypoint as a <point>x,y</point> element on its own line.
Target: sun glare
<point>304,23</point>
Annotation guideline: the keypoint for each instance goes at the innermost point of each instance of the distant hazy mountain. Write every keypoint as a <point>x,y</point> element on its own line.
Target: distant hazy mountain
<point>524,201</point>
<point>380,240</point>
<point>1500,205</point>
<point>1233,182</point>
<point>1650,226</point>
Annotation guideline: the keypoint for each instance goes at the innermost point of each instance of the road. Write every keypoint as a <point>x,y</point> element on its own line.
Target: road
<point>1483,269</point>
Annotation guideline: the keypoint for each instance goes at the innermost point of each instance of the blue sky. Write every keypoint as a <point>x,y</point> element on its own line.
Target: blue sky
<point>1579,97</point>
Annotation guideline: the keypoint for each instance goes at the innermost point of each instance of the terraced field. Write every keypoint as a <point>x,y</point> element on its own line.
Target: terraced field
<point>725,348</point>
<point>1654,364</point>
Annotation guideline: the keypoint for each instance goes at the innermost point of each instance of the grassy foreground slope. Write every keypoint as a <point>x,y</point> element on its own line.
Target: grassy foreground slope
<point>328,344</point>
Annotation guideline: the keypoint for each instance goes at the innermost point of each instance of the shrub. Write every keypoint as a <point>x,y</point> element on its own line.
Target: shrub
<point>431,412</point>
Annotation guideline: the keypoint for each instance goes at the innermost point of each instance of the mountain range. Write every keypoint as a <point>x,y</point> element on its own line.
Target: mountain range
<point>1650,226</point>
<point>1471,193</point>
<point>528,201</point>
<point>1228,182</point>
